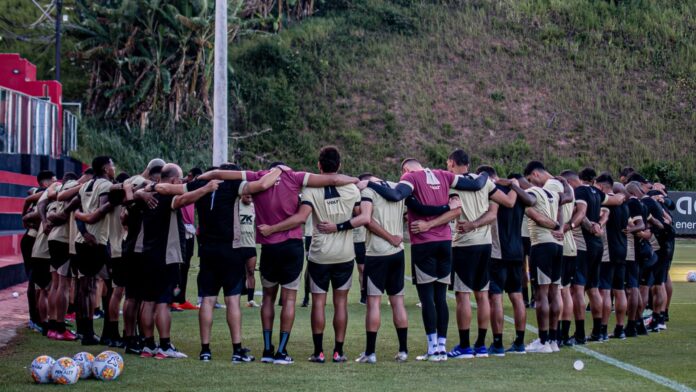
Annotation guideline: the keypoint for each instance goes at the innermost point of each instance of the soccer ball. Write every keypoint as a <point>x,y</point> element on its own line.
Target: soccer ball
<point>41,369</point>
<point>107,366</point>
<point>65,371</point>
<point>85,361</point>
<point>691,276</point>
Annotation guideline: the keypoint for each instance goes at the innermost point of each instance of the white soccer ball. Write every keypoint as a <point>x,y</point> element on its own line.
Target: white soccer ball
<point>65,371</point>
<point>579,365</point>
<point>41,369</point>
<point>691,276</point>
<point>85,361</point>
<point>107,366</point>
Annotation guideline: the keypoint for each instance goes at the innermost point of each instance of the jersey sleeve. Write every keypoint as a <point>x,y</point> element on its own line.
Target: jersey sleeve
<point>408,179</point>
<point>195,184</point>
<point>301,178</point>
<point>307,197</point>
<point>367,194</point>
<point>634,210</point>
<point>103,188</point>
<point>582,196</point>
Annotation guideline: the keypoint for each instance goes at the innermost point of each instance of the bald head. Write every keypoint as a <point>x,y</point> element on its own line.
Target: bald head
<point>171,173</point>
<point>410,165</point>
<point>634,189</point>
<point>619,188</point>
<point>157,162</point>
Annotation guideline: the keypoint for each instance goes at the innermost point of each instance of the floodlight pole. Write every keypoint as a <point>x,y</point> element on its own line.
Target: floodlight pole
<point>220,85</point>
<point>59,19</point>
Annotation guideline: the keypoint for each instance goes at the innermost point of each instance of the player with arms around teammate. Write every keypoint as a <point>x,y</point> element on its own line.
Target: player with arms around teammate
<point>245,242</point>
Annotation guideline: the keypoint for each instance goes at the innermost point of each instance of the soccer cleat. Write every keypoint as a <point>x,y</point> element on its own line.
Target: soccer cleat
<point>252,304</point>
<point>36,327</point>
<point>242,356</point>
<point>372,358</point>
<point>339,358</point>
<point>401,356</point>
<point>70,316</point>
<point>578,341</point>
<point>205,356</point>
<point>170,353</point>
<point>570,342</point>
<point>134,347</point>
<point>661,327</point>
<point>187,306</point>
<point>620,335</point>
<point>537,347</point>
<point>92,340</point>
<point>641,330</point>
<point>595,339</point>
<point>461,353</point>
<point>51,335</point>
<point>434,357</point>
<point>317,358</point>
<point>554,346</point>
<point>516,349</point>
<point>605,336</point>
<point>220,306</point>
<point>117,343</point>
<point>282,359</point>
<point>305,303</point>
<point>267,356</point>
<point>496,351</point>
<point>98,314</point>
<point>419,305</point>
<point>67,335</point>
<point>481,352</point>
<point>104,341</point>
<point>175,308</point>
<point>148,352</point>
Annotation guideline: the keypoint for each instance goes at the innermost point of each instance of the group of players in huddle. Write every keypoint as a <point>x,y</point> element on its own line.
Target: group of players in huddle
<point>578,234</point>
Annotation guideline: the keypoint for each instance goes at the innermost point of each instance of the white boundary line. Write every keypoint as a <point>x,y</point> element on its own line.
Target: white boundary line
<point>656,378</point>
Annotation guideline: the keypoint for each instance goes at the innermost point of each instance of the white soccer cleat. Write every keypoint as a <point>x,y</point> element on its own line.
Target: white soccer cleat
<point>170,353</point>
<point>401,356</point>
<point>372,358</point>
<point>537,347</point>
<point>554,346</point>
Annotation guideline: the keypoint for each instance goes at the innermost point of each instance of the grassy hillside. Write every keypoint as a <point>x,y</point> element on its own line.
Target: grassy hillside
<point>571,82</point>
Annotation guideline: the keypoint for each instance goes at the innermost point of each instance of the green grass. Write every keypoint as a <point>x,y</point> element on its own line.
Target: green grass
<point>668,354</point>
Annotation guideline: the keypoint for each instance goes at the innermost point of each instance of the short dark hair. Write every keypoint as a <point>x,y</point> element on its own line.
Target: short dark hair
<point>89,171</point>
<point>532,166</point>
<point>123,176</point>
<point>516,176</point>
<point>637,178</point>
<point>229,166</point>
<point>69,176</point>
<point>365,176</point>
<point>196,171</point>
<point>569,174</point>
<point>587,174</point>
<point>605,178</point>
<point>459,157</point>
<point>44,175</point>
<point>98,164</point>
<point>329,159</point>
<point>626,171</point>
<point>155,170</point>
<point>407,161</point>
<point>211,168</point>
<point>169,172</point>
<point>276,163</point>
<point>487,169</point>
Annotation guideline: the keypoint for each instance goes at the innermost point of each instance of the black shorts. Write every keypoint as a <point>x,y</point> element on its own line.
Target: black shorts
<point>470,265</point>
<point>506,275</point>
<point>118,271</point>
<point>41,273</point>
<point>161,280</point>
<point>359,248</point>
<point>133,273</point>
<point>90,259</point>
<point>431,261</point>
<point>281,264</point>
<point>659,271</point>
<point>60,257</point>
<point>339,276</point>
<point>631,274</point>
<point>385,273</point>
<point>307,242</point>
<point>587,266</point>
<point>545,262</point>
<point>665,261</point>
<point>612,275</point>
<point>526,245</point>
<point>647,275</point>
<point>246,253</point>
<point>568,270</point>
<point>26,245</point>
<point>215,274</point>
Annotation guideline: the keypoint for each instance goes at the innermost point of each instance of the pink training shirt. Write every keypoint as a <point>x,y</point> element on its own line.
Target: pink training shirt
<point>430,187</point>
<point>278,203</point>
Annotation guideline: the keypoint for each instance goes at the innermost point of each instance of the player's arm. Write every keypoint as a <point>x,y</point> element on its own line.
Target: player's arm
<point>576,219</point>
<point>68,193</point>
<point>95,216</point>
<point>145,196</point>
<point>421,226</point>
<point>52,192</point>
<point>525,197</point>
<point>427,210</point>
<point>398,193</point>
<point>31,219</point>
<point>604,216</point>
<point>291,222</point>
<point>361,219</point>
<point>381,232</point>
<point>466,183</point>
<point>614,200</point>
<point>635,225</point>
<point>191,197</point>
<point>486,219</point>
<point>30,200</point>
<point>541,219</point>
<point>42,209</point>
<point>265,182</point>
<point>321,180</point>
<point>219,174</point>
<point>167,189</point>
<point>502,199</point>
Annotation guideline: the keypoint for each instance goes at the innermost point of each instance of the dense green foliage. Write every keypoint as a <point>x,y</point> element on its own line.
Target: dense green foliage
<point>570,82</point>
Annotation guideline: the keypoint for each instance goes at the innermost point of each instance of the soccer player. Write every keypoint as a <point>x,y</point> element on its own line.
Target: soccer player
<point>546,254</point>
<point>91,244</point>
<point>359,234</point>
<point>282,253</point>
<point>246,242</point>
<point>431,249</point>
<point>631,278</point>
<point>507,265</point>
<point>31,221</point>
<point>187,214</point>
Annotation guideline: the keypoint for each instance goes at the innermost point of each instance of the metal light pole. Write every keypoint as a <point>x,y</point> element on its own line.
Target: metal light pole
<point>220,85</point>
<point>59,19</point>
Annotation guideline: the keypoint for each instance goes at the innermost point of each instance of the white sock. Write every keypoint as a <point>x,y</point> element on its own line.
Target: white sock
<point>432,343</point>
<point>441,344</point>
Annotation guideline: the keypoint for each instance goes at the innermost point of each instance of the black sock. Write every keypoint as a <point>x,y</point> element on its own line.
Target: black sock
<point>553,335</point>
<point>565,329</point>
<point>318,339</point>
<point>580,329</point>
<point>89,327</point>
<point>464,338</point>
<point>363,293</point>
<point>604,329</point>
<point>150,342</point>
<point>51,325</point>
<point>402,334</point>
<point>630,325</point>
<point>519,337</point>
<point>71,308</point>
<point>338,348</point>
<point>267,334</point>
<point>250,295</point>
<point>618,329</point>
<point>236,347</point>
<point>481,338</point>
<point>371,342</point>
<point>498,340</point>
<point>205,348</point>
<point>596,326</point>
<point>60,327</point>
<point>544,336</point>
<point>284,337</point>
<point>165,343</point>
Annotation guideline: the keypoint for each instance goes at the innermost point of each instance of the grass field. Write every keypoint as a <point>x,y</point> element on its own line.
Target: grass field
<point>668,354</point>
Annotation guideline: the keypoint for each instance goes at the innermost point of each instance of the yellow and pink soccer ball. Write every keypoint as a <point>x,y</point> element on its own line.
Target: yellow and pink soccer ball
<point>41,369</point>
<point>65,371</point>
<point>107,366</point>
<point>85,361</point>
